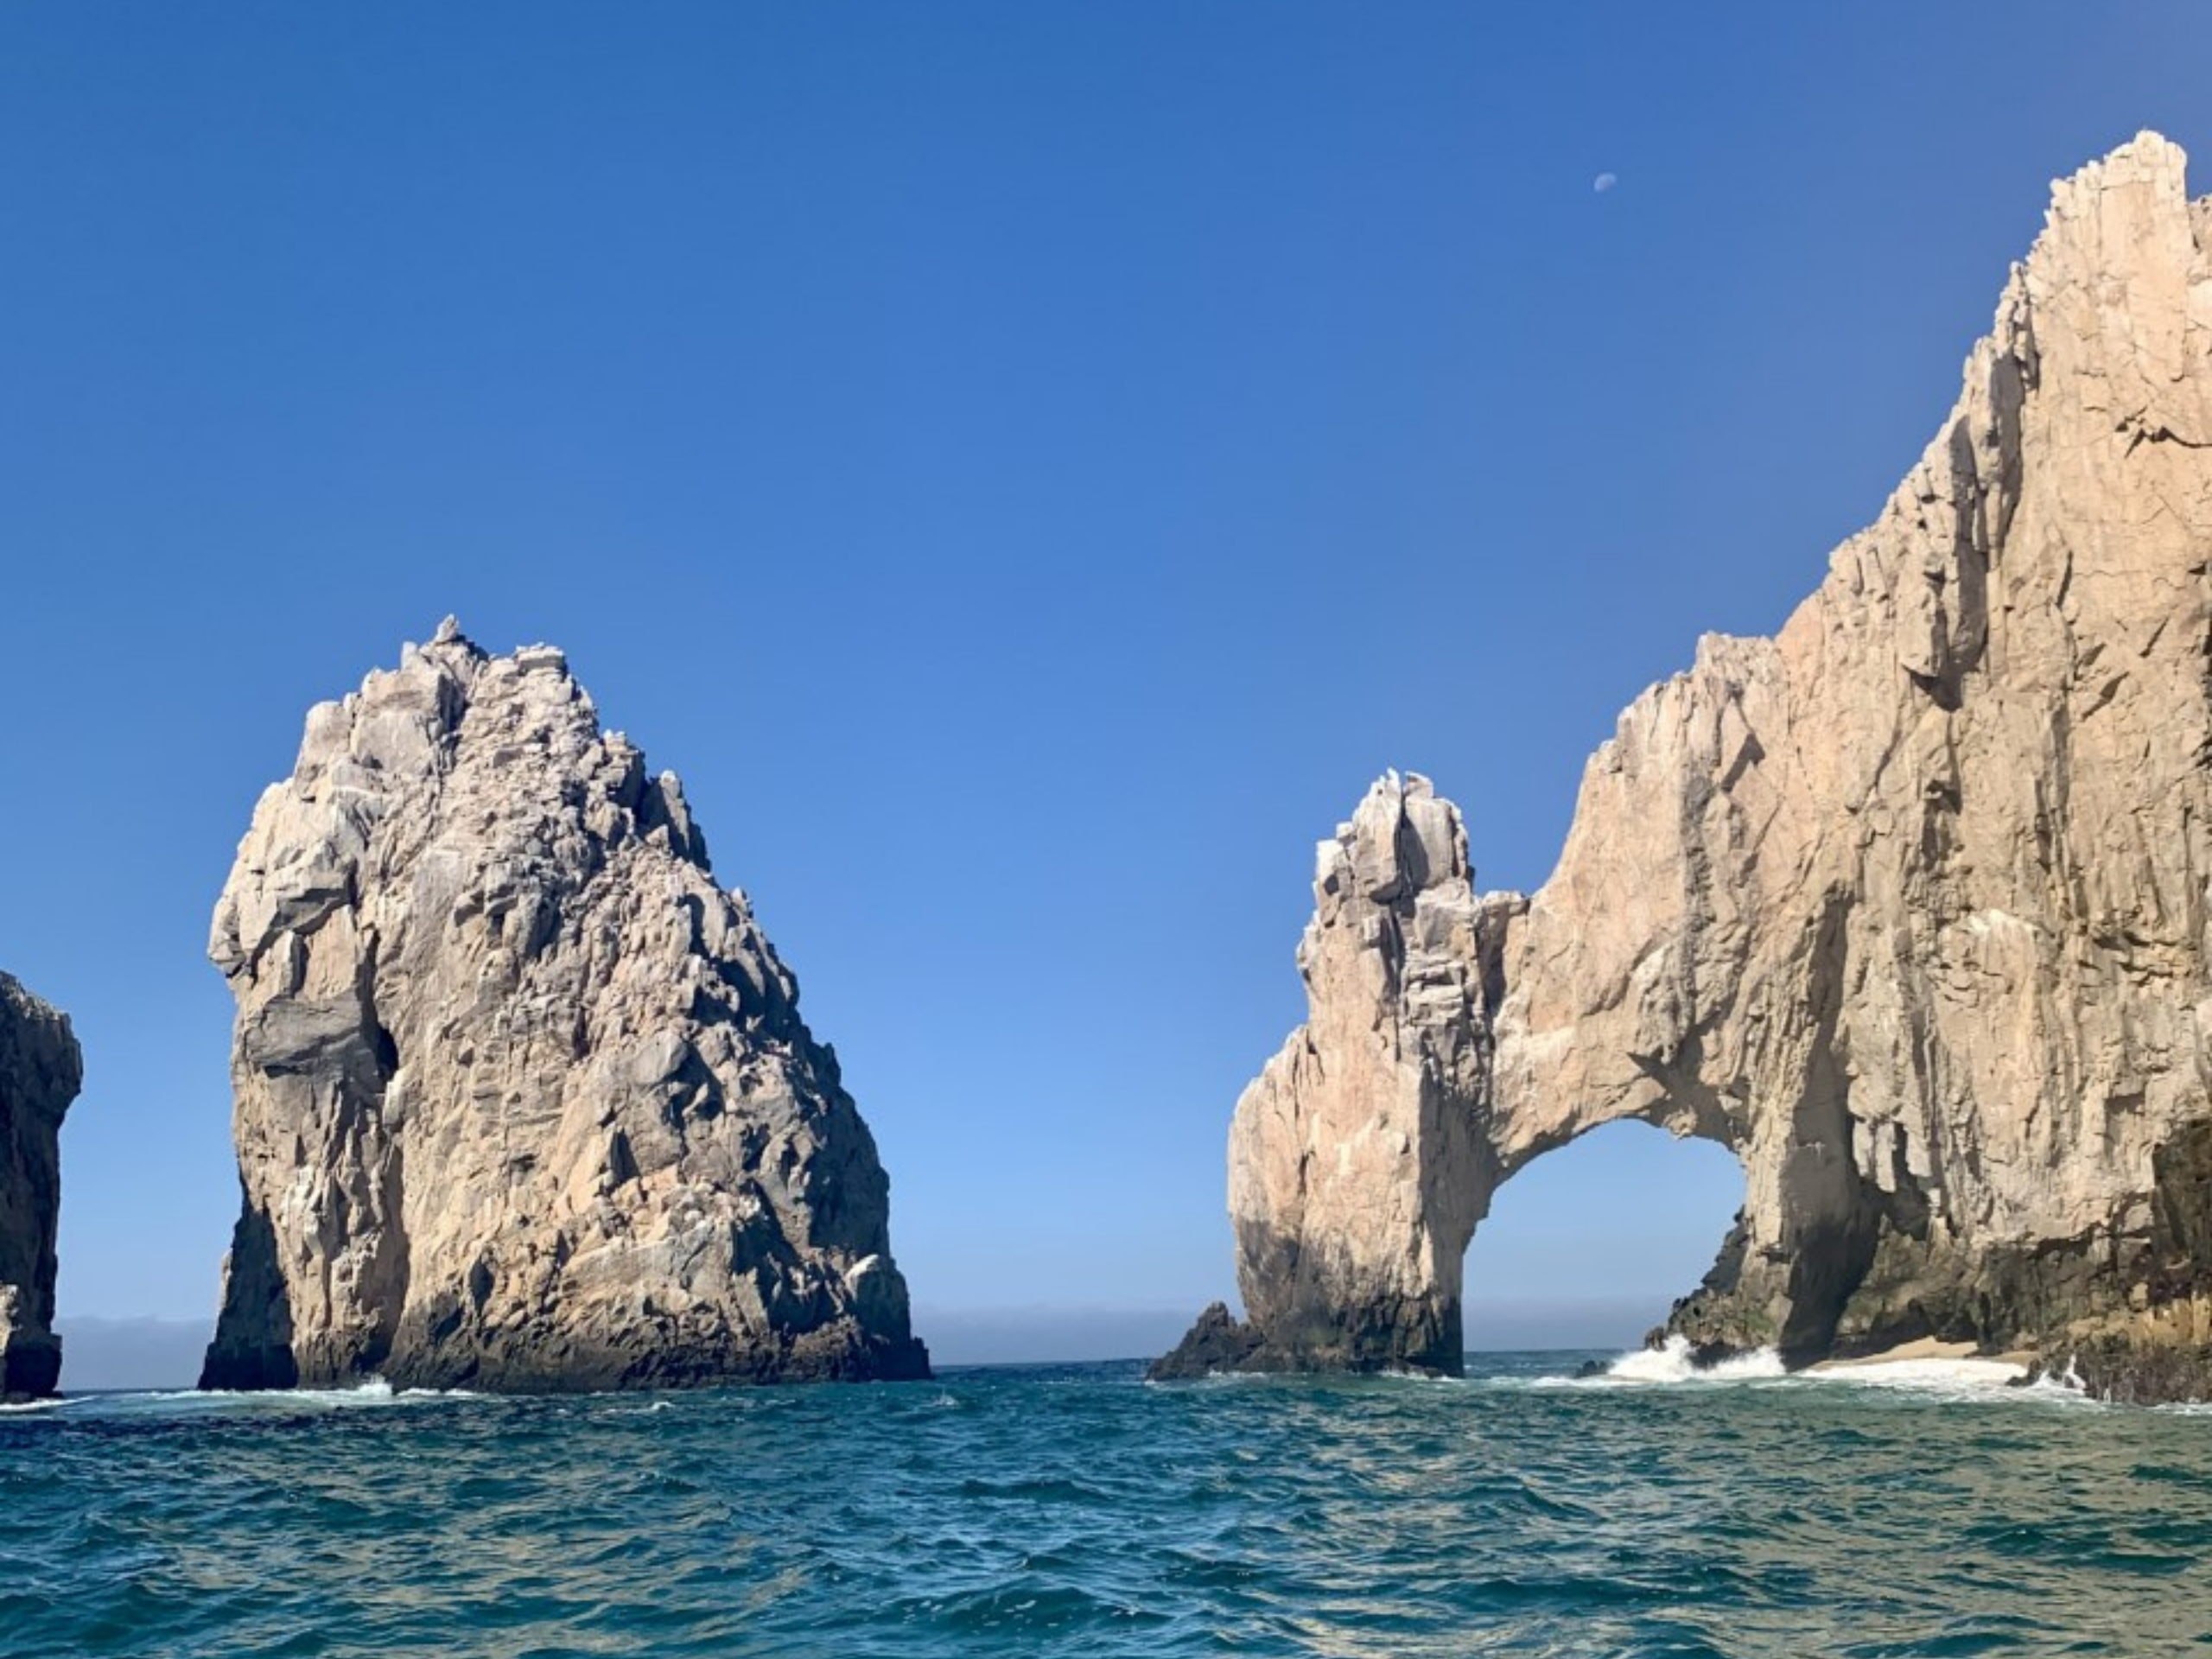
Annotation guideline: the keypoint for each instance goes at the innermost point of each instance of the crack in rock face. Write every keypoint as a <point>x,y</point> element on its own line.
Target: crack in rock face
<point>41,1070</point>
<point>523,1097</point>
<point>1906,905</point>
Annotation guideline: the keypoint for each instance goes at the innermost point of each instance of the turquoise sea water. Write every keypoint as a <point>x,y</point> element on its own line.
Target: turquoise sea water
<point>1077,1510</point>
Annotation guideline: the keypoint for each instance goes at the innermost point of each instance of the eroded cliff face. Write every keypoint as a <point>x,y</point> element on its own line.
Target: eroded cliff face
<point>523,1096</point>
<point>1357,1167</point>
<point>1906,904</point>
<point>40,1071</point>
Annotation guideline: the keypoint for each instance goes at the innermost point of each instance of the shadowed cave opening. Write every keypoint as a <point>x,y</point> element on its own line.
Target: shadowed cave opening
<point>1588,1246</point>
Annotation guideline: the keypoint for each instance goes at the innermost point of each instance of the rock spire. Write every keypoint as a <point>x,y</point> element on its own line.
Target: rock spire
<point>523,1097</point>
<point>40,1071</point>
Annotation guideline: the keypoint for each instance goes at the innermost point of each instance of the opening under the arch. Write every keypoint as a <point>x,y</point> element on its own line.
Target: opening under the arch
<point>1588,1246</point>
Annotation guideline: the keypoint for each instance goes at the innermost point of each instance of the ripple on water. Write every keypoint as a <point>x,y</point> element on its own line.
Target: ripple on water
<point>1076,1510</point>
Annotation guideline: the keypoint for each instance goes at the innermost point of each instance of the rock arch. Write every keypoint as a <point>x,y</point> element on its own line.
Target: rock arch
<point>1908,904</point>
<point>1589,1244</point>
<point>1368,1152</point>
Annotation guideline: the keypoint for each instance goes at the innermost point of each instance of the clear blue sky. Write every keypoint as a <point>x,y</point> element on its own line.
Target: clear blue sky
<point>1028,466</point>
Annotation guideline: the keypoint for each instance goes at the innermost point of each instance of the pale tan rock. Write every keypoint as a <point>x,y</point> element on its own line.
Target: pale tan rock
<point>1356,1167</point>
<point>523,1096</point>
<point>1906,905</point>
<point>41,1070</point>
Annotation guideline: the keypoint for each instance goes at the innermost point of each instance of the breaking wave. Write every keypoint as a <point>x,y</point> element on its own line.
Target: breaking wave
<point>1673,1363</point>
<point>372,1391</point>
<point>1946,1376</point>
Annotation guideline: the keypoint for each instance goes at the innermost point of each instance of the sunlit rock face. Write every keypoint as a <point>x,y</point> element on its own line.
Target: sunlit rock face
<point>1906,905</point>
<point>40,1071</point>
<point>523,1098</point>
<point>1357,1169</point>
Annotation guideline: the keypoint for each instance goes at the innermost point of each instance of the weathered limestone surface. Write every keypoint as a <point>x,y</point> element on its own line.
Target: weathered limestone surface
<point>40,1071</point>
<point>523,1096</point>
<point>1906,904</point>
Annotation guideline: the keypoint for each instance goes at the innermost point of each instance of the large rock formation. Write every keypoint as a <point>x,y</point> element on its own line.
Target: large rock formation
<point>523,1096</point>
<point>1907,906</point>
<point>40,1071</point>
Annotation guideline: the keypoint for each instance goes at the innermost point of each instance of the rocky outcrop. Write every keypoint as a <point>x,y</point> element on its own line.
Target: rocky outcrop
<point>40,1071</point>
<point>1907,906</point>
<point>1218,1342</point>
<point>524,1099</point>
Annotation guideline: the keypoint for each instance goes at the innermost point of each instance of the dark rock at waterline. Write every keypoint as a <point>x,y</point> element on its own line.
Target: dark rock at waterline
<point>1703,1354</point>
<point>41,1070</point>
<point>2137,1368</point>
<point>1217,1342</point>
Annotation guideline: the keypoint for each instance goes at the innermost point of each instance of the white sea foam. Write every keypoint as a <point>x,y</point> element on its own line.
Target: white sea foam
<point>1956,1378</point>
<point>372,1391</point>
<point>1673,1363</point>
<point>2067,1385</point>
<point>1673,1366</point>
<point>1663,1367</point>
<point>1937,1376</point>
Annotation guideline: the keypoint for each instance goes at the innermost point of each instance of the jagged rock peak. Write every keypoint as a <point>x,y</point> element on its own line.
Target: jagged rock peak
<point>41,1070</point>
<point>524,1099</point>
<point>1906,905</point>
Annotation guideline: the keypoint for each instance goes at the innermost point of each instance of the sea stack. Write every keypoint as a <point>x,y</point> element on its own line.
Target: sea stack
<point>523,1097</point>
<point>41,1070</point>
<point>1906,905</point>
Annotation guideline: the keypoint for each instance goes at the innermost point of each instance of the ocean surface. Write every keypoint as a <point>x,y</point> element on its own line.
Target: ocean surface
<point>1077,1510</point>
